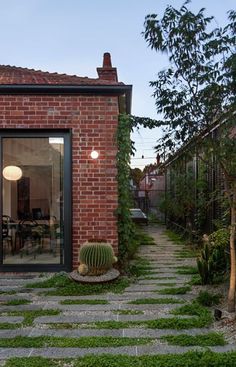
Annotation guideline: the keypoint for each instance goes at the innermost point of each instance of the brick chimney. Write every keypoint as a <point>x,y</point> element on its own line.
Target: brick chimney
<point>107,72</point>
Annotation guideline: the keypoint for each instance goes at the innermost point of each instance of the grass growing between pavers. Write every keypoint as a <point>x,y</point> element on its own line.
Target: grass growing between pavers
<point>190,359</point>
<point>128,312</point>
<point>207,299</point>
<point>155,301</point>
<point>139,267</point>
<point>9,325</point>
<point>144,238</point>
<point>162,323</point>
<point>186,270</point>
<point>187,251</point>
<point>195,280</point>
<point>35,362</point>
<point>15,302</point>
<point>64,286</point>
<point>166,284</point>
<point>202,318</point>
<point>28,315</point>
<point>84,302</point>
<point>156,278</point>
<point>8,292</point>
<point>177,290</point>
<point>194,309</point>
<point>175,237</point>
<point>205,340</point>
<point>185,254</point>
<point>62,342</point>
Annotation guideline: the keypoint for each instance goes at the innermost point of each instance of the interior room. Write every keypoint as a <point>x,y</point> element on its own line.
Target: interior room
<point>33,203</point>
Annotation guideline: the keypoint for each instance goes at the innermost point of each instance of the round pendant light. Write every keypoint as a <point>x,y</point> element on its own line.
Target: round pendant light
<point>12,173</point>
<point>94,154</point>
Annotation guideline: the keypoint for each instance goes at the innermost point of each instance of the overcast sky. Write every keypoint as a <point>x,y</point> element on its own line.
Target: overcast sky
<point>70,36</point>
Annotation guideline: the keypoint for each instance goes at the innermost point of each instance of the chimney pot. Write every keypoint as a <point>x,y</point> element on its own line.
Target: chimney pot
<point>107,60</point>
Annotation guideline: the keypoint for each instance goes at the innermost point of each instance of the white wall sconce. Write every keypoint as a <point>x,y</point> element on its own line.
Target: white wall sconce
<point>12,173</point>
<point>94,154</point>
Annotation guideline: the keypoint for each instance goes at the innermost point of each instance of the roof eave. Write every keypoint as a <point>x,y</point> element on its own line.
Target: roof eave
<point>70,89</point>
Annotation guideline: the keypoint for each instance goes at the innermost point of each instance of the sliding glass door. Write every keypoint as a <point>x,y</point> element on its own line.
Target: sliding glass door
<point>35,176</point>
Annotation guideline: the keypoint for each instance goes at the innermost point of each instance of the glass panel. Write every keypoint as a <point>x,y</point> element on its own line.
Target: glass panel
<point>33,203</point>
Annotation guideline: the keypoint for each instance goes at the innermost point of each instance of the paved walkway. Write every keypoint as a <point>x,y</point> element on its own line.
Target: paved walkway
<point>162,258</point>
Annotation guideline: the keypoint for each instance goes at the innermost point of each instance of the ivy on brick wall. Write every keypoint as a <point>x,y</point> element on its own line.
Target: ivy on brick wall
<point>126,228</point>
<point>125,225</point>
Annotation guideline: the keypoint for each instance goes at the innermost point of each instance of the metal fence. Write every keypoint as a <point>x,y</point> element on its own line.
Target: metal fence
<point>150,202</point>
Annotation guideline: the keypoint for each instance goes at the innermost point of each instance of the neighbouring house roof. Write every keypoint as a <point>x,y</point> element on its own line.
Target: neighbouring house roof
<point>19,80</point>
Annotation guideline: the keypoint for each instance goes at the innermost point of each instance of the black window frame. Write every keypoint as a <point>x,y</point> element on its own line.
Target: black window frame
<point>67,173</point>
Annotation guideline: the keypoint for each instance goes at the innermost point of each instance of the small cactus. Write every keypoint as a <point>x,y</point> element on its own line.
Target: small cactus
<point>98,257</point>
<point>115,259</point>
<point>83,269</point>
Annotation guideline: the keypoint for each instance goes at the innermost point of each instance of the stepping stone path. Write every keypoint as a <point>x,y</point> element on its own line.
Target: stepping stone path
<point>163,263</point>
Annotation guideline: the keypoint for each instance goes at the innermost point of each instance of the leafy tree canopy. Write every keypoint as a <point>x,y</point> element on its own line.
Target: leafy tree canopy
<point>199,84</point>
<point>136,174</point>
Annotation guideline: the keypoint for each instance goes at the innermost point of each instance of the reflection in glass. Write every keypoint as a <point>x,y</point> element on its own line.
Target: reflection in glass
<point>33,204</point>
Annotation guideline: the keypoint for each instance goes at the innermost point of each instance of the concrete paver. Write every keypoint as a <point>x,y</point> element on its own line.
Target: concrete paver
<point>163,264</point>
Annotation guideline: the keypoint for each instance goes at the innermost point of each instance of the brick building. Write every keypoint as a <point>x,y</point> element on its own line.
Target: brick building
<point>55,194</point>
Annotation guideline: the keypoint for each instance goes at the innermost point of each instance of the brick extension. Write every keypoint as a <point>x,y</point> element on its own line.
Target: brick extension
<point>92,117</point>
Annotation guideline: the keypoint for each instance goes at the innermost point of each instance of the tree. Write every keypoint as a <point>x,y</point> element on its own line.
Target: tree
<point>136,174</point>
<point>198,90</point>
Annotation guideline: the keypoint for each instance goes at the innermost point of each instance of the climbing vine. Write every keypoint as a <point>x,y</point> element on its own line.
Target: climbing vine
<point>126,228</point>
<point>125,224</point>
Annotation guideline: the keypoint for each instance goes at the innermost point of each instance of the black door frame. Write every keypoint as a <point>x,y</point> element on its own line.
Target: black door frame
<point>67,172</point>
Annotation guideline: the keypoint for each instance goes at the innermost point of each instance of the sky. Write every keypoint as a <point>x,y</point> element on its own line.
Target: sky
<point>70,36</point>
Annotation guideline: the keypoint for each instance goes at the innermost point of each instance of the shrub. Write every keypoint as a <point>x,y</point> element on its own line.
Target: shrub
<point>205,265</point>
<point>214,259</point>
<point>207,299</point>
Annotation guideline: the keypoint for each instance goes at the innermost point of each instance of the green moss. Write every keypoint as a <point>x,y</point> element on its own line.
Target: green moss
<point>210,339</point>
<point>67,287</point>
<point>179,290</point>
<point>59,342</point>
<point>153,301</point>
<point>84,302</point>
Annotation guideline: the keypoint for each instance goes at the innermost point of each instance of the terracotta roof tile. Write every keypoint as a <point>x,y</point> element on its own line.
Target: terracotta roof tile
<point>21,76</point>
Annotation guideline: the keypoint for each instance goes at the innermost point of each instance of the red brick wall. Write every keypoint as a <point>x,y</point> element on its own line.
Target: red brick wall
<point>93,121</point>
